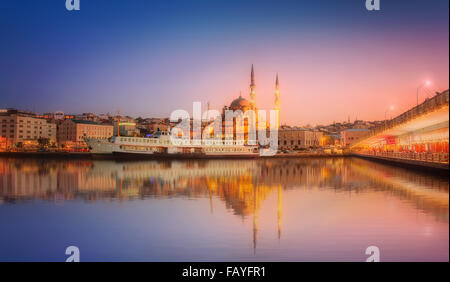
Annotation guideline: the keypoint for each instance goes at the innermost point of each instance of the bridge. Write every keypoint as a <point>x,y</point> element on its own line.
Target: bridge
<point>417,137</point>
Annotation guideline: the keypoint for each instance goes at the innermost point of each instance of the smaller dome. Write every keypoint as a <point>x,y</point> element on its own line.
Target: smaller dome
<point>240,104</point>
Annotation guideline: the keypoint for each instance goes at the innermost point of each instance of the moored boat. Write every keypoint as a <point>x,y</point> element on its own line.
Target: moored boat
<point>161,146</point>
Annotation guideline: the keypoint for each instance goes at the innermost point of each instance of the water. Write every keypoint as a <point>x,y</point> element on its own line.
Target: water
<point>220,210</point>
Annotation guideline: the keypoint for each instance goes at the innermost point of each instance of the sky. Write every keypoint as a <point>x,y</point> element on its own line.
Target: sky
<point>335,59</point>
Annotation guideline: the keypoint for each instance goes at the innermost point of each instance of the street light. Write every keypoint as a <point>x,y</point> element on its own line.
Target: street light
<point>426,83</point>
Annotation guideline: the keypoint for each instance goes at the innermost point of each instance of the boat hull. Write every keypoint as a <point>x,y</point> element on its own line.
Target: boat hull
<point>131,155</point>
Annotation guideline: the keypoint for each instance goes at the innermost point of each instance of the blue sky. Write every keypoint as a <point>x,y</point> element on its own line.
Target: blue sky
<point>149,58</point>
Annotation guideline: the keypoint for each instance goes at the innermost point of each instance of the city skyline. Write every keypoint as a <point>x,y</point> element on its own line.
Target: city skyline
<point>335,60</point>
<point>246,132</point>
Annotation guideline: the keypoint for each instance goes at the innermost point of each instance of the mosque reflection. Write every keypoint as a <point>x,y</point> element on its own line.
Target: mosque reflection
<point>242,185</point>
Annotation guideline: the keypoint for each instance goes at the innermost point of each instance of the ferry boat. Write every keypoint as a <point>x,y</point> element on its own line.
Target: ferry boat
<point>161,145</point>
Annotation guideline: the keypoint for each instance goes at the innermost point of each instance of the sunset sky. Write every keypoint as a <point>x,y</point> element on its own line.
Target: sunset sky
<point>335,59</point>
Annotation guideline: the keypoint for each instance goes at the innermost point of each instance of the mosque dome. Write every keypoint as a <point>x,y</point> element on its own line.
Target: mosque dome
<point>240,104</point>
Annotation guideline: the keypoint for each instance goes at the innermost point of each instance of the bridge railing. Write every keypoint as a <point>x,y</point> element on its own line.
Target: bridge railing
<point>424,157</point>
<point>428,105</point>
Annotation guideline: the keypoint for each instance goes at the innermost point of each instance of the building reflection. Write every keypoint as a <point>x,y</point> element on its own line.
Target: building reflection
<point>242,185</point>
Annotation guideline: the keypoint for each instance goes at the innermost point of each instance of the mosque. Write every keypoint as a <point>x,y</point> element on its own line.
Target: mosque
<point>243,104</point>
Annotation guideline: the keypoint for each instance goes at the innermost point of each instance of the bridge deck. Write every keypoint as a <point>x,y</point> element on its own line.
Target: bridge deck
<point>434,161</point>
<point>419,136</point>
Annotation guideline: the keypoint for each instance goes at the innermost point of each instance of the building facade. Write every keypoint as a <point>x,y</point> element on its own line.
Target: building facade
<point>152,125</point>
<point>19,128</point>
<point>125,126</point>
<point>71,133</point>
<point>351,136</point>
<point>299,139</point>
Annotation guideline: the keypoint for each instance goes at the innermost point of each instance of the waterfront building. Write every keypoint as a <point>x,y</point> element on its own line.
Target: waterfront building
<point>152,125</point>
<point>299,138</point>
<point>71,133</point>
<point>331,139</point>
<point>23,129</point>
<point>353,135</point>
<point>125,126</point>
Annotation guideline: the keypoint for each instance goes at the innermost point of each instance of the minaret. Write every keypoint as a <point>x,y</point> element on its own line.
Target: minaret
<point>252,89</point>
<point>277,100</point>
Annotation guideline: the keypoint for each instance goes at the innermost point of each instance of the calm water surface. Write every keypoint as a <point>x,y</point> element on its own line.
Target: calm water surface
<point>270,210</point>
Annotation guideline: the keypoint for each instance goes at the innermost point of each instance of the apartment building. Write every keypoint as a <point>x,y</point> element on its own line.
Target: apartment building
<point>72,132</point>
<point>299,138</point>
<point>21,127</point>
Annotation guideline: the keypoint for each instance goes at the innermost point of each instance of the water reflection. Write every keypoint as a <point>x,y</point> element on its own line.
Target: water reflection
<point>241,185</point>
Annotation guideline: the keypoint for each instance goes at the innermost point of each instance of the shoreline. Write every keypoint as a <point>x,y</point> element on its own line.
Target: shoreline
<point>86,155</point>
<point>417,165</point>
